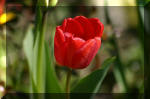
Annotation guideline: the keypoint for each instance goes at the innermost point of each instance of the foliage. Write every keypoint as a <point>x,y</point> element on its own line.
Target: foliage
<point>31,66</point>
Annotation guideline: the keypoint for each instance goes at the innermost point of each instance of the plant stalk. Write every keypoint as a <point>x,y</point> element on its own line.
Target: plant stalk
<point>68,84</point>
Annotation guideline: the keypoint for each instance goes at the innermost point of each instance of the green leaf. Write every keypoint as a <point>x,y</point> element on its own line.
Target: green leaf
<point>147,2</point>
<point>120,76</point>
<point>41,3</point>
<point>38,22</point>
<point>92,82</point>
<point>28,49</point>
<point>142,2</point>
<point>28,46</point>
<point>39,63</point>
<point>52,85</point>
<point>39,52</point>
<point>35,57</point>
<point>34,50</point>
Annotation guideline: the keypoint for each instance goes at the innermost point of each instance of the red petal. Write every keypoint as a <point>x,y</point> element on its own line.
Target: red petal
<point>65,51</point>
<point>60,52</point>
<point>98,41</point>
<point>77,42</point>
<point>59,36</point>
<point>2,3</point>
<point>59,40</point>
<point>98,26</point>
<point>86,53</point>
<point>64,24</point>
<point>73,46</point>
<point>72,26</point>
<point>87,26</point>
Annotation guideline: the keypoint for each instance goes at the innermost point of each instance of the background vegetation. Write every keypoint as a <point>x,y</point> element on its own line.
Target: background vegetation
<point>123,37</point>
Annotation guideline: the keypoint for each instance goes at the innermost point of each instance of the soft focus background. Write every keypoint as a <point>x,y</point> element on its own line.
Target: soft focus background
<point>123,37</point>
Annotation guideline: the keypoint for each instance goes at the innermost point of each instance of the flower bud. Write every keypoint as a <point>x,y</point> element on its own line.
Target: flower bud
<point>53,2</point>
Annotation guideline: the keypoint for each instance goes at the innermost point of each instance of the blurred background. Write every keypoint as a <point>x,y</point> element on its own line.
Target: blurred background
<point>123,37</point>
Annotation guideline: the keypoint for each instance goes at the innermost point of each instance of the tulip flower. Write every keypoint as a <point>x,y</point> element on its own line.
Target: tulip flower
<point>2,3</point>
<point>77,41</point>
<point>5,17</point>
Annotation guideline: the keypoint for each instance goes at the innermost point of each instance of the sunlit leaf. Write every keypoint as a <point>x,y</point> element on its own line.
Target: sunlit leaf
<point>28,49</point>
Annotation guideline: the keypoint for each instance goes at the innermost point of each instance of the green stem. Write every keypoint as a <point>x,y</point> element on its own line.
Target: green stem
<point>40,68</point>
<point>68,84</point>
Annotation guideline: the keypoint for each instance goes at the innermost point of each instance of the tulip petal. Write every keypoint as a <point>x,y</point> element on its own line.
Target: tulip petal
<point>86,53</point>
<point>64,52</point>
<point>59,40</point>
<point>60,52</point>
<point>59,36</point>
<point>77,42</point>
<point>98,26</point>
<point>2,4</point>
<point>73,45</point>
<point>87,26</point>
<point>72,26</point>
<point>64,24</point>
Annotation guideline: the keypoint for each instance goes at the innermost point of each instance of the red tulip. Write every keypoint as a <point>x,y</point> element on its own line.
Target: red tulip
<point>77,41</point>
<point>2,3</point>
